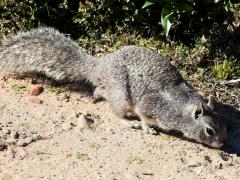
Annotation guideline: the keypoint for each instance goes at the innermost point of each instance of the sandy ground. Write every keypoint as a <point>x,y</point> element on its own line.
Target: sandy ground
<point>47,137</point>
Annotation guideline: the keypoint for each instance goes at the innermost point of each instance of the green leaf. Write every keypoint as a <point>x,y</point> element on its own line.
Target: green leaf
<point>147,3</point>
<point>166,20</point>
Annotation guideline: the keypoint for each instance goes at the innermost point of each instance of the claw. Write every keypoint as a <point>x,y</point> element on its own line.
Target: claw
<point>148,129</point>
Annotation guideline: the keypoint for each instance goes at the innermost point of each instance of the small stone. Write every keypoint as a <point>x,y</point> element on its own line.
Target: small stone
<point>224,156</point>
<point>15,135</point>
<point>3,147</point>
<point>220,166</point>
<point>208,159</point>
<point>4,78</point>
<point>78,114</point>
<point>35,91</point>
<point>66,97</point>
<point>83,122</point>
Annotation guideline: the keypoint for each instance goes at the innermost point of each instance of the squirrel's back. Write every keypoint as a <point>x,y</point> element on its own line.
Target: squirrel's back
<point>148,72</point>
<point>46,51</point>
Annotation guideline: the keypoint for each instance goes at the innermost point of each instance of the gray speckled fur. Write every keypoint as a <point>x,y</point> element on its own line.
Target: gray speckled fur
<point>46,51</point>
<point>132,79</point>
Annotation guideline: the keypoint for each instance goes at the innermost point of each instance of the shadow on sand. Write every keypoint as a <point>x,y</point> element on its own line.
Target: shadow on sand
<point>231,117</point>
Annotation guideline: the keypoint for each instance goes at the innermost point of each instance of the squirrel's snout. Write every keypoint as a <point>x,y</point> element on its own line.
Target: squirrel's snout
<point>220,142</point>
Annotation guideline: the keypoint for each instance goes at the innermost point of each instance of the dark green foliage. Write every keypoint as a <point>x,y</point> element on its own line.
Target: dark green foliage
<point>184,17</point>
<point>18,14</point>
<point>183,21</point>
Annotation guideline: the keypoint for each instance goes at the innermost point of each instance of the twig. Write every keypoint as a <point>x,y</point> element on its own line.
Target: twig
<point>230,82</point>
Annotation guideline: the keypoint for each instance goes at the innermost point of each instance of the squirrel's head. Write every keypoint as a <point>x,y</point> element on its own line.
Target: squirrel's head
<point>206,127</point>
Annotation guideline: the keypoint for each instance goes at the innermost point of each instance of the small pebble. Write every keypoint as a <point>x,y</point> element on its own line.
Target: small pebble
<point>224,156</point>
<point>35,91</point>
<point>66,97</point>
<point>15,135</point>
<point>208,159</point>
<point>83,122</point>
<point>3,147</point>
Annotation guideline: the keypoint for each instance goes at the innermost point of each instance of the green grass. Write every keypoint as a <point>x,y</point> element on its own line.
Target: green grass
<point>224,70</point>
<point>54,90</point>
<point>166,137</point>
<point>19,88</point>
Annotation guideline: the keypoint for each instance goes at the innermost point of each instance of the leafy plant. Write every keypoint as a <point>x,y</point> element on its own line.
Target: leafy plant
<point>170,9</point>
<point>224,70</point>
<point>173,10</point>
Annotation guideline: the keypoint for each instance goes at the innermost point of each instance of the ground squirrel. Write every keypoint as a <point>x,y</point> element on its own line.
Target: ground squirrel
<point>132,79</point>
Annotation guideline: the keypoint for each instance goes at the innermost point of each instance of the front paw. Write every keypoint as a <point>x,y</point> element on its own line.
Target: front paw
<point>149,130</point>
<point>135,124</point>
<point>98,95</point>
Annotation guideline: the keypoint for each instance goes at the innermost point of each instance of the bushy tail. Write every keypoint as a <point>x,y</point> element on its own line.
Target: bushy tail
<point>45,51</point>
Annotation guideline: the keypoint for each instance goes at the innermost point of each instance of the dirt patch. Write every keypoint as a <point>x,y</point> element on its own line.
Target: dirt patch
<point>67,136</point>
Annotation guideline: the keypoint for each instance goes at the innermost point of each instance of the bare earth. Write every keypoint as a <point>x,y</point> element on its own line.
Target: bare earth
<point>67,136</point>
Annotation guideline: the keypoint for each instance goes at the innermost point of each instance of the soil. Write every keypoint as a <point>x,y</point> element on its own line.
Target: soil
<point>66,135</point>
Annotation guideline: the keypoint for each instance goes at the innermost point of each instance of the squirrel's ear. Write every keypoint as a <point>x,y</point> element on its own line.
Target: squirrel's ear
<point>199,110</point>
<point>211,102</point>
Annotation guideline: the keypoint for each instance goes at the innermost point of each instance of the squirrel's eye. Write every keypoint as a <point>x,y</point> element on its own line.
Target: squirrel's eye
<point>210,132</point>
